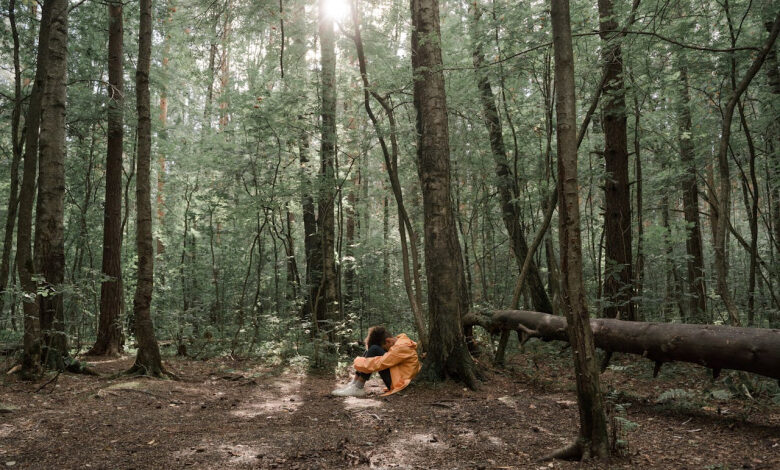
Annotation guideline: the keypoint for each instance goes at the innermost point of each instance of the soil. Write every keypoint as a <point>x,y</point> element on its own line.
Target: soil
<point>245,414</point>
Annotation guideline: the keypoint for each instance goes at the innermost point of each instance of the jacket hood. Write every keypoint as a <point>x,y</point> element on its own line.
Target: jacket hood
<point>405,341</point>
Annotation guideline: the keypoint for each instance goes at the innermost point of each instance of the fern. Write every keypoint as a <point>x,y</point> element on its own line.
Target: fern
<point>721,394</point>
<point>674,394</point>
<point>626,424</point>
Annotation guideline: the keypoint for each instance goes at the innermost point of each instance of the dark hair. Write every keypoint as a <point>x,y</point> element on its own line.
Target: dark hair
<point>377,336</point>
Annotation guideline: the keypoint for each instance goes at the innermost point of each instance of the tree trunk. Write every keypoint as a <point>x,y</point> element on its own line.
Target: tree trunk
<point>618,280</point>
<point>326,300</point>
<point>24,262</point>
<point>505,179</point>
<point>640,217</point>
<point>447,351</point>
<point>16,151</point>
<point>718,347</point>
<point>50,206</point>
<point>697,292</point>
<point>147,360</point>
<point>163,132</point>
<point>724,196</point>
<point>310,244</point>
<point>593,424</point>
<point>109,335</point>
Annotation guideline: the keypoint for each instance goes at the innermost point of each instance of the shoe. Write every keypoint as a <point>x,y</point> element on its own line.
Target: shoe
<point>351,390</point>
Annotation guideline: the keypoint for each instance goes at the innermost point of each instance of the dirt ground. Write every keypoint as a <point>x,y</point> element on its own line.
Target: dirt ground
<point>241,414</point>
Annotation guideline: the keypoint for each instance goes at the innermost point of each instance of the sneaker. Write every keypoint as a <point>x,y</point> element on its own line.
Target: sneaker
<point>350,390</point>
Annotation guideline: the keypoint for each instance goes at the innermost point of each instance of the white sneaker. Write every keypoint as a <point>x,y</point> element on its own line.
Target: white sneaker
<point>351,390</point>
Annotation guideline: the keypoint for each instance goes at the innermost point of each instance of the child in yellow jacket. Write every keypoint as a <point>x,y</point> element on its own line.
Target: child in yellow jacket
<point>394,357</point>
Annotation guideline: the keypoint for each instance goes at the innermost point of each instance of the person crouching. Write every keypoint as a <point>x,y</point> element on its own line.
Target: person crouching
<point>394,357</point>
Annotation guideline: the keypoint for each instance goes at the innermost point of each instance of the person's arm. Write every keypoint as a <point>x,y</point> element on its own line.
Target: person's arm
<point>396,355</point>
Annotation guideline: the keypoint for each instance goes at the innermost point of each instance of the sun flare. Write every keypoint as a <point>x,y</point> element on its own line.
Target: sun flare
<point>337,10</point>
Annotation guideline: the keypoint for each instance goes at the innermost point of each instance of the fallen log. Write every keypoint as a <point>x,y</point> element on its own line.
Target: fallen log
<point>718,347</point>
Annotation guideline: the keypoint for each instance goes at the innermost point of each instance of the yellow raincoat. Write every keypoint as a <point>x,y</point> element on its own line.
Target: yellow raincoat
<point>401,359</point>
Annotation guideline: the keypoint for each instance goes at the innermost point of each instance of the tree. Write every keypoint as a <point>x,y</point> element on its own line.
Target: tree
<point>109,334</point>
<point>326,291</point>
<point>24,261</point>
<point>505,179</point>
<point>147,360</point>
<point>447,351</point>
<point>697,304</point>
<point>16,151</point>
<point>617,201</point>
<point>724,194</point>
<point>593,424</point>
<point>50,210</point>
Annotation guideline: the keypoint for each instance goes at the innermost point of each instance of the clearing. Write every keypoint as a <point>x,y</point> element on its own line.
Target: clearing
<point>242,414</point>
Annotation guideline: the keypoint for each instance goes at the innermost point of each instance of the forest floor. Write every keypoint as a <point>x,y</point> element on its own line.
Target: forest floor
<point>242,414</point>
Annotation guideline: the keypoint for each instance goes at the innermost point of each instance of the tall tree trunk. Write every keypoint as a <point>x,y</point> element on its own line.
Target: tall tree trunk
<point>618,280</point>
<point>724,196</point>
<point>505,180</point>
<point>697,293</point>
<point>447,351</point>
<point>50,206</point>
<point>24,261</point>
<point>109,335</point>
<point>349,263</point>
<point>16,151</point>
<point>310,243</point>
<point>326,300</point>
<point>147,360</point>
<point>224,67</point>
<point>593,424</point>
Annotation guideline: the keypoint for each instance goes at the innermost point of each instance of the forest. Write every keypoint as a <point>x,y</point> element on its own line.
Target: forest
<point>565,214</point>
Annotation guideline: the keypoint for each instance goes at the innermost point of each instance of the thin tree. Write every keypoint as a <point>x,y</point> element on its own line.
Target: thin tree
<point>109,334</point>
<point>147,360</point>
<point>326,295</point>
<point>50,206</point>
<point>447,351</point>
<point>31,356</point>
<point>724,196</point>
<point>16,157</point>
<point>592,441</point>
<point>505,179</point>
<point>411,274</point>
<point>697,296</point>
<point>618,279</point>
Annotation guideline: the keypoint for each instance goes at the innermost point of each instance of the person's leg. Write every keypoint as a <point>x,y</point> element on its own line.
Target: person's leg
<point>373,351</point>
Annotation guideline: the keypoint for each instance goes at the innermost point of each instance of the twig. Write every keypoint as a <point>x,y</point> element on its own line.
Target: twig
<point>53,379</point>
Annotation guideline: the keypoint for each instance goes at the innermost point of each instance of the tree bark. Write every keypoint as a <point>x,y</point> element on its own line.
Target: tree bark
<point>109,335</point>
<point>505,179</point>
<point>50,206</point>
<point>25,266</point>
<point>326,298</point>
<point>755,350</point>
<point>147,360</point>
<point>697,292</point>
<point>593,424</point>
<point>447,351</point>
<point>618,279</point>
<point>16,151</point>
<point>310,244</point>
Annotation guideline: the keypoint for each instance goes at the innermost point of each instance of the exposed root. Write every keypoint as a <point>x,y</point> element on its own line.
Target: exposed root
<point>571,452</point>
<point>140,370</point>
